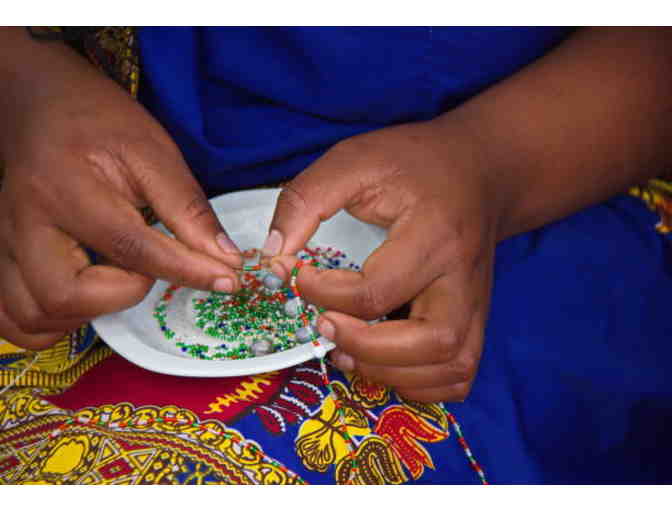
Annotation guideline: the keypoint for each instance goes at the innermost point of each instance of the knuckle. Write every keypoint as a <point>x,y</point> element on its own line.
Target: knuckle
<point>56,304</point>
<point>197,208</point>
<point>31,323</point>
<point>370,302</point>
<point>464,370</point>
<point>292,197</point>
<point>125,247</point>
<point>445,340</point>
<point>153,144</point>
<point>368,375</point>
<point>101,158</point>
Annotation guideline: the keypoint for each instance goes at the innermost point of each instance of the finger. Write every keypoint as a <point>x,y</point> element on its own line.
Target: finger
<point>413,377</point>
<point>58,275</point>
<point>420,246</point>
<point>106,222</point>
<point>179,201</point>
<point>397,343</point>
<point>22,307</point>
<point>34,342</point>
<point>446,317</point>
<point>315,195</point>
<point>408,261</point>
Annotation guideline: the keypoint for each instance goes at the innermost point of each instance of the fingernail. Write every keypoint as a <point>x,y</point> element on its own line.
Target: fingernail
<point>223,285</point>
<point>343,361</point>
<point>326,328</point>
<point>273,243</point>
<point>278,270</point>
<point>226,244</point>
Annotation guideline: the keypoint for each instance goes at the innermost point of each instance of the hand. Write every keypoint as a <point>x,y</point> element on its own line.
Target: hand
<point>81,157</point>
<point>428,185</point>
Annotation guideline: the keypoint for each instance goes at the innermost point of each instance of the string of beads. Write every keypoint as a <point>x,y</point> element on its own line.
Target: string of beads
<point>307,317</point>
<point>320,354</point>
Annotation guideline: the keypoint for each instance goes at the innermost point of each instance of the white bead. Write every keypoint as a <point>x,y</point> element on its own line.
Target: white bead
<point>320,351</point>
<point>272,282</point>
<point>292,306</point>
<point>262,347</point>
<point>304,334</point>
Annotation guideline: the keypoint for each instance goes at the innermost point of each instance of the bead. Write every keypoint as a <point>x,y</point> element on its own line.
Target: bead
<point>293,307</point>
<point>262,347</point>
<point>305,334</point>
<point>320,350</point>
<point>272,282</point>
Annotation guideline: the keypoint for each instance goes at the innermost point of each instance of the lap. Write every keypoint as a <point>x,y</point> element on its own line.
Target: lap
<point>572,387</point>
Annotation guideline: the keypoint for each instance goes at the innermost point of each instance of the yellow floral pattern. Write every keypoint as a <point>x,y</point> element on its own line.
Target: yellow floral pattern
<point>124,444</point>
<point>320,441</point>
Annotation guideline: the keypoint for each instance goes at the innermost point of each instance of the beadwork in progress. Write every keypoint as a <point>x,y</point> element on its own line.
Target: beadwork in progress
<point>265,317</point>
<point>262,318</point>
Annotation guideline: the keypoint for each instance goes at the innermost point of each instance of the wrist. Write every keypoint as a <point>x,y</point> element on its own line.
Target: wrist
<point>500,184</point>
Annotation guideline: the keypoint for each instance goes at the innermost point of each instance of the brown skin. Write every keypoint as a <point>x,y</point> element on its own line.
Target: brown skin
<point>80,158</point>
<point>585,121</point>
<point>574,128</point>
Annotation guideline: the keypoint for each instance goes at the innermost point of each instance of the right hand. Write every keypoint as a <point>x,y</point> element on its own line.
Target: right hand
<point>81,158</point>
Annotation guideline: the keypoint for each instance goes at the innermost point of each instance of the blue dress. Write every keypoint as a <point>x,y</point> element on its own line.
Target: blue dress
<point>574,385</point>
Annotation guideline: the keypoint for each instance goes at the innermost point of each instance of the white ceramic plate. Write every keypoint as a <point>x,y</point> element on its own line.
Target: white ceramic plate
<point>246,215</point>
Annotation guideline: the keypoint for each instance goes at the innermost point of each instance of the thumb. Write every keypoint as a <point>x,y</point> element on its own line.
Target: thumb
<point>312,197</point>
<point>180,203</point>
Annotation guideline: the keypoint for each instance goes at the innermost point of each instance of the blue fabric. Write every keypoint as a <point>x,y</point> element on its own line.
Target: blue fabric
<point>574,384</point>
<point>249,106</point>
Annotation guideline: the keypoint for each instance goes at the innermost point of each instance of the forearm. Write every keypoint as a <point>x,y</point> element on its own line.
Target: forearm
<point>578,126</point>
<point>35,74</point>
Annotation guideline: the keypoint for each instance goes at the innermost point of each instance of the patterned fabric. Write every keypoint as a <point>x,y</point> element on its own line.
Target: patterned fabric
<point>140,427</point>
<point>81,414</point>
<point>657,194</point>
<point>52,432</point>
<point>113,50</point>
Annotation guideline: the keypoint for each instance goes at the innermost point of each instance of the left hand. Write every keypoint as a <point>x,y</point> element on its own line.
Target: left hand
<point>428,185</point>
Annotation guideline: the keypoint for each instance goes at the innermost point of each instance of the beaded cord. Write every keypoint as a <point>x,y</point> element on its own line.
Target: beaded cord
<point>467,451</point>
<point>20,374</point>
<point>307,318</point>
<point>260,319</point>
<point>320,354</point>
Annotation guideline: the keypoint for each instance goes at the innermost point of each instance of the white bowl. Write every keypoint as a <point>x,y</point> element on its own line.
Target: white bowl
<point>246,215</point>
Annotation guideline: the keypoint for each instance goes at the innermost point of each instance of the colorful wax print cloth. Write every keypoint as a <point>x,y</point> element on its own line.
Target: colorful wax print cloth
<point>574,384</point>
<point>121,424</point>
<point>574,387</point>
